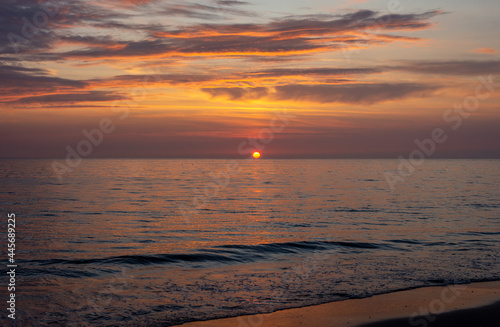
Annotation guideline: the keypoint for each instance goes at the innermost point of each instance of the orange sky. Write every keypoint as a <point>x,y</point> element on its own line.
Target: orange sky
<point>195,79</point>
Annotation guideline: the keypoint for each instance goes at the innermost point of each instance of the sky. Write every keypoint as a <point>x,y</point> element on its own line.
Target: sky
<point>221,78</point>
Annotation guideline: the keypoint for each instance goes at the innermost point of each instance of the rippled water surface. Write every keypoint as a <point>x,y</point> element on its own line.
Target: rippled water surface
<point>161,242</point>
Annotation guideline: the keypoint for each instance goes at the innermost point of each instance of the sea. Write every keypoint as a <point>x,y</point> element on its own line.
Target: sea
<point>143,242</point>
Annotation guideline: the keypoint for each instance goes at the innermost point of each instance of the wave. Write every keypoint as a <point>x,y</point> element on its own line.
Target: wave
<point>244,253</point>
<point>234,253</point>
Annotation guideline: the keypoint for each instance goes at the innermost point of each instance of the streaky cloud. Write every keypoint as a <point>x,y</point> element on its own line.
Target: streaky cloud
<point>90,96</point>
<point>353,93</point>
<point>453,67</point>
<point>361,93</point>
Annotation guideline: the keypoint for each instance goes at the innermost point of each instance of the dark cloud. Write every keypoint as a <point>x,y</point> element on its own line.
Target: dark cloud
<point>323,74</point>
<point>120,37</point>
<point>361,20</point>
<point>33,27</point>
<point>325,71</point>
<point>90,96</point>
<point>133,2</point>
<point>293,35</point>
<point>130,49</point>
<point>352,93</point>
<point>469,67</point>
<point>318,25</point>
<point>231,2</point>
<point>140,79</point>
<point>247,44</point>
<point>235,93</point>
<point>276,59</point>
<point>221,45</point>
<point>19,80</point>
<point>465,67</point>
<point>204,11</point>
<point>349,93</point>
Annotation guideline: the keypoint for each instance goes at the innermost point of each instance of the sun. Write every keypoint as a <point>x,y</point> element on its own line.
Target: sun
<point>256,154</point>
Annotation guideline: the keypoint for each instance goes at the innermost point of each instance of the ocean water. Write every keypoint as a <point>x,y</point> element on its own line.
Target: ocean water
<point>161,242</point>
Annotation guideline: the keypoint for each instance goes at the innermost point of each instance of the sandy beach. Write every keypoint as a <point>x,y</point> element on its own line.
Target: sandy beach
<point>476,304</point>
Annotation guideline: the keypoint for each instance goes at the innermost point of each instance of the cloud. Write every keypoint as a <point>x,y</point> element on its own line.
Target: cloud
<point>332,75</point>
<point>199,46</point>
<point>231,2</point>
<point>204,11</point>
<point>325,93</point>
<point>293,35</point>
<point>464,67</point>
<point>120,37</point>
<point>352,93</point>
<point>16,81</point>
<point>32,27</point>
<point>486,50</point>
<point>90,96</point>
<point>90,32</point>
<point>362,20</point>
<point>152,79</point>
<point>322,71</point>
<point>133,2</point>
<point>236,93</point>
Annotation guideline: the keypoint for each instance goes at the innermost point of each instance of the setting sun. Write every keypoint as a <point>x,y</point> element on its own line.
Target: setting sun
<point>256,155</point>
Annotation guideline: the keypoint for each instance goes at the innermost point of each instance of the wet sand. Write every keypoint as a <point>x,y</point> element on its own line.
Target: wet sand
<point>470,305</point>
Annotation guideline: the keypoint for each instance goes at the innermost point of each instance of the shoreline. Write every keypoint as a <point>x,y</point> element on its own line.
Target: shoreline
<point>450,305</point>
